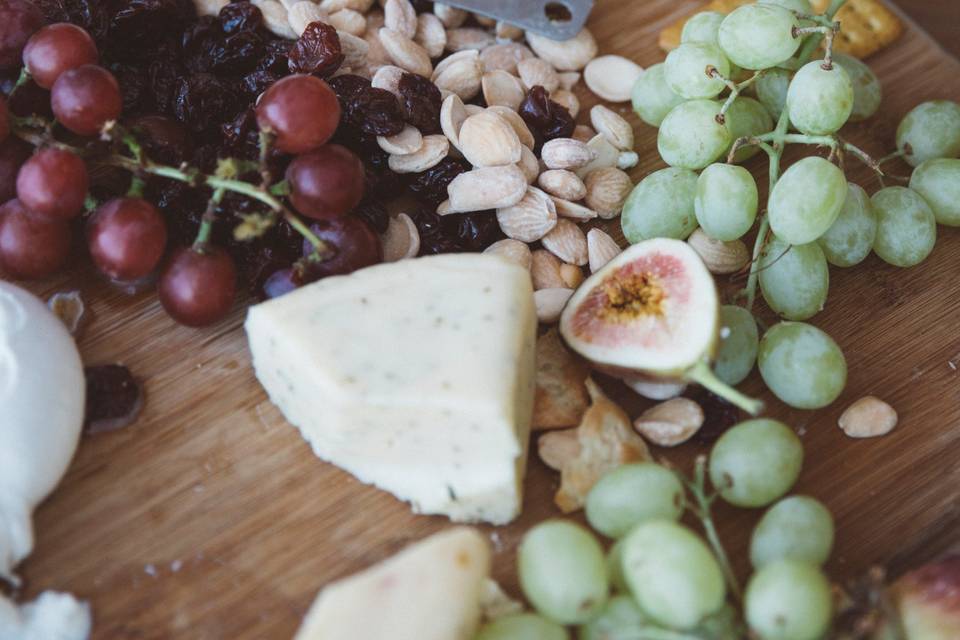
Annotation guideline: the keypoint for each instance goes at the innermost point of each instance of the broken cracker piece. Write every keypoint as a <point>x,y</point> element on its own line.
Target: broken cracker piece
<point>561,395</point>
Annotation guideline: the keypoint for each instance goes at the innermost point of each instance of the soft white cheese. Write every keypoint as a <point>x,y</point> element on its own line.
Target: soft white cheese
<point>52,616</point>
<point>415,376</point>
<point>429,591</point>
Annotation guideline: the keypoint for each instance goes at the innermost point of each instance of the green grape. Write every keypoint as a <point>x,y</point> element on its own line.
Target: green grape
<point>930,130</point>
<point>746,118</point>
<point>722,625</point>
<point>772,89</point>
<point>632,494</point>
<point>672,574</point>
<point>938,181</point>
<point>726,202</point>
<point>789,600</point>
<point>739,341</point>
<point>615,568</point>
<point>759,36</point>
<point>906,226</point>
<point>621,619</point>
<point>867,93</point>
<point>800,6</point>
<point>686,70</point>
<point>794,279</point>
<point>690,135</point>
<point>806,200</point>
<point>849,240</point>
<point>820,100</point>
<point>522,626</point>
<point>563,572</point>
<point>796,528</point>
<point>652,97</point>
<point>802,365</point>
<point>755,462</point>
<point>702,27</point>
<point>661,206</point>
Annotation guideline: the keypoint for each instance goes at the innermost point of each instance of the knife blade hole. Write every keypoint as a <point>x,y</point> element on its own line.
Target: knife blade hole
<point>557,12</point>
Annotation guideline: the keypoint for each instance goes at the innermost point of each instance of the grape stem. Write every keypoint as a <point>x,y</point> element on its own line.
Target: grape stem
<point>735,89</point>
<point>704,376</point>
<point>206,222</point>
<point>698,487</point>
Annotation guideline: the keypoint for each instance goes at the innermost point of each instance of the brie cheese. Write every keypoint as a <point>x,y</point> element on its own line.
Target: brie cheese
<point>52,616</point>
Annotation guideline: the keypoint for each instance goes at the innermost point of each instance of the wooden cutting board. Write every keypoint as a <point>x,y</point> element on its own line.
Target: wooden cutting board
<point>211,518</point>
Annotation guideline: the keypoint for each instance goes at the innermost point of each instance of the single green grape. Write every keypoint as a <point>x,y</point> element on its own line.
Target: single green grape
<point>723,625</point>
<point>672,574</point>
<point>726,202</point>
<point>755,462</point>
<point>806,200</point>
<point>746,118</point>
<point>794,279</point>
<point>772,89</point>
<point>691,137</point>
<point>661,206</point>
<point>938,181</point>
<point>618,581</point>
<point>686,70</point>
<point>849,240</point>
<point>820,100</point>
<point>789,600</point>
<point>867,92</point>
<point>739,341</point>
<point>906,226</point>
<point>796,528</point>
<point>930,130</point>
<point>522,626</point>
<point>652,98</point>
<point>621,619</point>
<point>702,27</point>
<point>632,494</point>
<point>800,6</point>
<point>563,572</point>
<point>759,36</point>
<point>802,365</point>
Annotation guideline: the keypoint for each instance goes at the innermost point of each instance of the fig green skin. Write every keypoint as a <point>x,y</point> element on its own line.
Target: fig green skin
<point>820,100</point>
<point>795,528</point>
<point>802,365</point>
<point>794,279</point>
<point>849,240</point>
<point>661,206</point>
<point>932,130</point>
<point>702,27</point>
<point>621,618</point>
<point>686,66</point>
<point>806,200</point>
<point>906,226</point>
<point>726,202</point>
<point>746,117</point>
<point>938,181</point>
<point>612,508</point>
<point>690,136</point>
<point>738,350</point>
<point>758,36</point>
<point>867,92</point>
<point>788,601</point>
<point>755,462</point>
<point>771,90</point>
<point>522,626</point>
<point>652,98</point>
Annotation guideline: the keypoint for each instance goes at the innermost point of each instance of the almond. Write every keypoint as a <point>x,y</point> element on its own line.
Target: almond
<point>336,5</point>
<point>528,219</point>
<point>406,142</point>
<point>550,303</point>
<point>451,17</point>
<point>514,120</point>
<point>538,72</point>
<point>356,51</point>
<point>512,250</point>
<point>605,155</point>
<point>504,57</point>
<point>613,127</point>
<point>572,275</point>
<point>545,271</point>
<point>452,116</point>
<point>486,188</point>
<point>434,149</point>
<point>670,423</point>
<point>376,54</point>
<point>562,184</point>
<point>566,153</point>
<point>507,31</point>
<point>400,16</point>
<point>607,190</point>
<point>565,55</point>
<point>348,21</point>
<point>484,21</point>
<point>388,77</point>
<point>502,89</point>
<point>567,100</point>
<point>529,165</point>
<point>627,160</point>
<point>402,239</point>
<point>719,257</point>
<point>303,13</point>
<point>459,73</point>
<point>405,53</point>
<point>275,18</point>
<point>213,7</point>
<point>583,133</point>
<point>473,109</point>
<point>468,38</point>
<point>568,79</point>
<point>567,242</point>
<point>612,77</point>
<point>431,34</point>
<point>573,211</point>
<point>486,140</point>
<point>868,417</point>
<point>601,249</point>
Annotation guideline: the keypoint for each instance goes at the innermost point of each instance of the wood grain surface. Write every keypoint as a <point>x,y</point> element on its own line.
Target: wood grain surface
<point>210,518</point>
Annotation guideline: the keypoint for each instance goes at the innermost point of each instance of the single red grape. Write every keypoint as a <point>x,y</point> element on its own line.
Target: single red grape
<point>53,183</point>
<point>326,183</point>
<point>13,153</point>
<point>57,48</point>
<point>4,120</point>
<point>198,289</point>
<point>31,246</point>
<point>18,21</point>
<point>355,246</point>
<point>86,98</point>
<point>280,283</point>
<point>301,111</point>
<point>127,237</point>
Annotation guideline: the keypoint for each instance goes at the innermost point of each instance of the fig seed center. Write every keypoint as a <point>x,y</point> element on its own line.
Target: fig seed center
<point>632,296</point>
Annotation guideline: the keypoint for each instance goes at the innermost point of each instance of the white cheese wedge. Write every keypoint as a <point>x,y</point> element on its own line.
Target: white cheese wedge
<point>416,377</point>
<point>429,591</point>
<point>52,616</point>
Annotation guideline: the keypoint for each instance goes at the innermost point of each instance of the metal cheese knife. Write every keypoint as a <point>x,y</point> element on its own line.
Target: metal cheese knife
<point>556,19</point>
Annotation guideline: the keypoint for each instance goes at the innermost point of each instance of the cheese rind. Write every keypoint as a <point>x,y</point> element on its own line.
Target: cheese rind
<point>415,376</point>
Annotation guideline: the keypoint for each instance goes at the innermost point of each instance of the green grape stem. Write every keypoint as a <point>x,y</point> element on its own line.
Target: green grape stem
<point>698,487</point>
<point>704,376</point>
<point>735,89</point>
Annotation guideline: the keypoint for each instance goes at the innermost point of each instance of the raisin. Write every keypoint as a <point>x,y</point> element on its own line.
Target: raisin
<point>92,15</point>
<point>347,86</point>
<point>163,139</point>
<point>203,101</point>
<point>275,57</point>
<point>241,136</point>
<point>132,85</point>
<point>545,118</point>
<point>317,51</point>
<point>240,16</point>
<point>421,102</point>
<point>719,415</point>
<point>114,398</point>
<point>433,239</point>
<point>162,80</point>
<point>202,44</point>
<point>375,112</point>
<point>239,53</point>
<point>372,211</point>
<point>141,24</point>
<point>430,186</point>
<point>474,231</point>
<point>256,82</point>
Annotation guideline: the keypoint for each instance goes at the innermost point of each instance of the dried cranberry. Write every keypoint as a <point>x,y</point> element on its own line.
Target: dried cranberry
<point>317,51</point>
<point>372,211</point>
<point>547,119</point>
<point>421,102</point>
<point>114,398</point>
<point>376,112</point>
<point>431,185</point>
<point>719,415</point>
<point>240,16</point>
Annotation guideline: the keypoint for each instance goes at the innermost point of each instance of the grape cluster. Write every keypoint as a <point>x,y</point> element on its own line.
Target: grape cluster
<point>744,83</point>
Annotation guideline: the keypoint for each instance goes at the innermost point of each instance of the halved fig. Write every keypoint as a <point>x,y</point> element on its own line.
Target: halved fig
<point>652,311</point>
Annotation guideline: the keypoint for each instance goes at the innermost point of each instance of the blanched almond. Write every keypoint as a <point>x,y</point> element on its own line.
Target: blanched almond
<point>557,449</point>
<point>507,31</point>
<point>473,109</point>
<point>376,54</point>
<point>573,211</point>
<point>486,140</point>
<point>502,89</point>
<point>563,184</point>
<point>512,250</point>
<point>607,190</point>
<point>275,18</point>
<point>459,73</point>
<point>720,257</point>
<point>627,160</point>
<point>572,275</point>
<point>402,239</point>
<point>452,116</point>
<point>605,155</point>
<point>431,34</point>
<point>407,141</point>
<point>468,38</point>
<point>612,77</point>
<point>670,423</point>
<point>568,79</point>
<point>538,72</point>
<point>583,133</point>
<point>400,16</point>
<point>566,153</point>
<point>405,53</point>
<point>504,57</point>
<point>567,100</point>
<point>213,7</point>
<point>550,303</point>
<point>565,55</point>
<point>348,21</point>
<point>486,188</point>
<point>567,242</point>
<point>484,21</point>
<point>528,219</point>
<point>601,249</point>
<point>451,17</point>
<point>387,78</point>
<point>514,120</point>
<point>529,165</point>
<point>355,50</point>
<point>301,14</point>
<point>431,152</point>
<point>613,127</point>
<point>868,417</point>
<point>545,271</point>
<point>336,5</point>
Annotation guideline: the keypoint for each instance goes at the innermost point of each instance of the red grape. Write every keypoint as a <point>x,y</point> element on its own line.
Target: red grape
<point>86,98</point>
<point>280,283</point>
<point>197,288</point>
<point>4,120</point>
<point>301,111</point>
<point>355,245</point>
<point>13,153</point>
<point>18,20</point>
<point>326,183</point>
<point>127,237</point>
<point>31,246</point>
<point>53,183</point>
<point>57,48</point>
